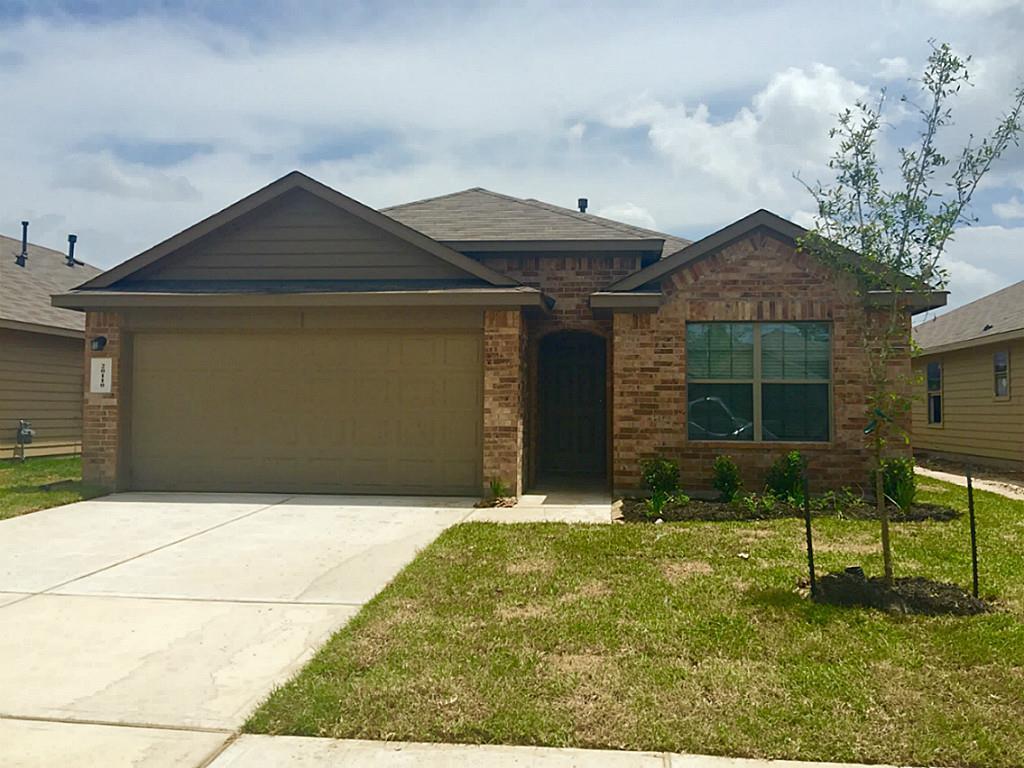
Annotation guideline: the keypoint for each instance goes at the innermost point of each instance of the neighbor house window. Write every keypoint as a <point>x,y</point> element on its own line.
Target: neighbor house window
<point>758,381</point>
<point>1001,373</point>
<point>934,384</point>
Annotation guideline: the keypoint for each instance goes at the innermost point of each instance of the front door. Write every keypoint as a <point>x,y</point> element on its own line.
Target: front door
<point>571,393</point>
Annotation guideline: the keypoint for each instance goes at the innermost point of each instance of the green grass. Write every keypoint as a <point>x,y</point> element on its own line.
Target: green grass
<point>663,638</point>
<point>19,484</point>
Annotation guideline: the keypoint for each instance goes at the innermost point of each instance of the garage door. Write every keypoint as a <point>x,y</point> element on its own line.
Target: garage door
<point>360,412</point>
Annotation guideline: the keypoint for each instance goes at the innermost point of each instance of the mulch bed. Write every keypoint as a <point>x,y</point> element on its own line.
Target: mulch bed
<point>634,511</point>
<point>501,501</point>
<point>913,595</point>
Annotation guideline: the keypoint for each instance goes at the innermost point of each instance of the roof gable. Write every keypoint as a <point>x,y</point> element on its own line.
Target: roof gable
<point>25,291</point>
<point>478,216</point>
<point>988,318</point>
<point>313,219</point>
<point>708,245</point>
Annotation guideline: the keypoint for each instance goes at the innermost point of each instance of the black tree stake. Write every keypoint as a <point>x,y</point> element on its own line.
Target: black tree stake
<point>810,540</point>
<point>974,533</point>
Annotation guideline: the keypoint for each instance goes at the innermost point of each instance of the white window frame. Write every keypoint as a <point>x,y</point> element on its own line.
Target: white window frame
<point>930,393</point>
<point>996,375</point>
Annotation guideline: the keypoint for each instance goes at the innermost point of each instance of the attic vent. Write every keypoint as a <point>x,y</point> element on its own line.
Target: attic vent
<point>22,257</point>
<point>72,239</point>
<point>582,203</point>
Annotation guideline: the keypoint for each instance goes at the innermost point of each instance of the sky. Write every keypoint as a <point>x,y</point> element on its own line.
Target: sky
<point>127,122</point>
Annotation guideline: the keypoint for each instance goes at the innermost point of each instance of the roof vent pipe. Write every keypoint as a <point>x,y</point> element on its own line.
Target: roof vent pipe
<point>72,239</point>
<point>582,203</point>
<point>23,256</point>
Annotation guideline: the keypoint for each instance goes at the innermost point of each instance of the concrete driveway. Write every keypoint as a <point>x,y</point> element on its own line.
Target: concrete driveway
<point>175,614</point>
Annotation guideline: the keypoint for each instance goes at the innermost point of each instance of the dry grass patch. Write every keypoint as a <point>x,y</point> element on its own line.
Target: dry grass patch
<point>680,570</point>
<point>530,566</point>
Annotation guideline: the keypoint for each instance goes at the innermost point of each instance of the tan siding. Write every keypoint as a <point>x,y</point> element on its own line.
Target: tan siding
<point>41,380</point>
<point>974,422</point>
<point>301,237</point>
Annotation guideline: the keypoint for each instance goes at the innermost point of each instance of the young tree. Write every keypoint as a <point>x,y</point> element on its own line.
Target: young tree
<point>891,238</point>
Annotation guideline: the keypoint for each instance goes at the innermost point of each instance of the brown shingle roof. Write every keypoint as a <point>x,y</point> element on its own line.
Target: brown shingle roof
<point>478,214</point>
<point>998,313</point>
<point>25,291</point>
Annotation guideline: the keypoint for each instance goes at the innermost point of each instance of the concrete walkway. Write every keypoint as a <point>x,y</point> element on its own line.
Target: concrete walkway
<point>1010,490</point>
<point>295,752</point>
<point>554,503</point>
<point>142,629</point>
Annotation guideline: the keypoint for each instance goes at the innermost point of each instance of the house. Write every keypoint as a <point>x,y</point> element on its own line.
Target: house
<point>971,373</point>
<point>301,341</point>
<point>41,348</point>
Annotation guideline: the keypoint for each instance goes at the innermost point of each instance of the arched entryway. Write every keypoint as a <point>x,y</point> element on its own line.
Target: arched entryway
<point>572,405</point>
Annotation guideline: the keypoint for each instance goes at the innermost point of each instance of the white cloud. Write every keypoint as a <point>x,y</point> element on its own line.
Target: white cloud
<point>975,7</point>
<point>753,154</point>
<point>629,213</point>
<point>894,68</point>
<point>981,260</point>
<point>536,99</point>
<point>1011,209</point>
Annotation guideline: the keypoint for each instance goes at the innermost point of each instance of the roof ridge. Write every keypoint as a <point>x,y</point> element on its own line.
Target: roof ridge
<point>435,197</point>
<point>980,299</point>
<point>604,221</point>
<point>601,221</point>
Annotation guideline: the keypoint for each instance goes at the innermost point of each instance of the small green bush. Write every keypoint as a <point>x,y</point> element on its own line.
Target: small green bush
<point>727,479</point>
<point>660,476</point>
<point>899,483</point>
<point>655,505</point>
<point>785,478</point>
<point>498,489</point>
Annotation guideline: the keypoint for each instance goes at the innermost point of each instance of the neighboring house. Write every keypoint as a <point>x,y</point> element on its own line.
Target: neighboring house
<point>971,373</point>
<point>300,341</point>
<point>41,349</point>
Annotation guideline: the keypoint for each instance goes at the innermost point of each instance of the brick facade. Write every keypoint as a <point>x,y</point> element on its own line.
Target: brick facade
<point>569,280</point>
<point>102,417</point>
<point>504,391</point>
<point>758,278</point>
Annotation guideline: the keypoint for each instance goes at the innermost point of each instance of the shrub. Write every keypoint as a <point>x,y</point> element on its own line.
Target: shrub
<point>785,478</point>
<point>655,505</point>
<point>899,483</point>
<point>498,489</point>
<point>660,476</point>
<point>727,479</point>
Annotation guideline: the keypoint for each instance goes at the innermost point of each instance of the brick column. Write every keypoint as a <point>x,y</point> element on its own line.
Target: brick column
<point>101,413</point>
<point>504,391</point>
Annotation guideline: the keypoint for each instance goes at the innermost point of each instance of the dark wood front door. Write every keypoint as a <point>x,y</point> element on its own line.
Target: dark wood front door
<point>571,404</point>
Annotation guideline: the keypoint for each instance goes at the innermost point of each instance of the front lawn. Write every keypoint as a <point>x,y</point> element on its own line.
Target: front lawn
<point>20,482</point>
<point>666,638</point>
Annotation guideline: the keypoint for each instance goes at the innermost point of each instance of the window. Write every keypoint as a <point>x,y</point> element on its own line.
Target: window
<point>1001,374</point>
<point>934,384</point>
<point>759,381</point>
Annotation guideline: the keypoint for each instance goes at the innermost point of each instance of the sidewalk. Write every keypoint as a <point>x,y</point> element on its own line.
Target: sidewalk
<point>1010,490</point>
<point>300,752</point>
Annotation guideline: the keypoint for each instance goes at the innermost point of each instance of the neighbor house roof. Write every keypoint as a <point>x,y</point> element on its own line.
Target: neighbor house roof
<point>479,218</point>
<point>995,317</point>
<point>25,291</point>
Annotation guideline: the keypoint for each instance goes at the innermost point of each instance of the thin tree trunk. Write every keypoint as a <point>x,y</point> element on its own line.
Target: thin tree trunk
<point>883,513</point>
